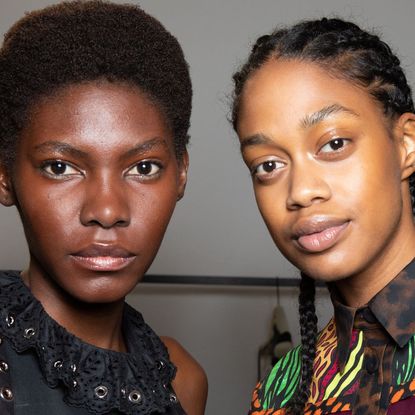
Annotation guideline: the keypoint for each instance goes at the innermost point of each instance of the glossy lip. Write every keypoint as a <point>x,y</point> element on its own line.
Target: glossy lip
<point>319,233</point>
<point>102,257</point>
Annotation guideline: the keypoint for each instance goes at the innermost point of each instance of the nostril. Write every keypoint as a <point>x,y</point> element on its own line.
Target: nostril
<point>105,213</point>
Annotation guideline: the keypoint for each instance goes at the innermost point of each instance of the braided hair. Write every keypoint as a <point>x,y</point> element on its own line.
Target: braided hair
<point>349,53</point>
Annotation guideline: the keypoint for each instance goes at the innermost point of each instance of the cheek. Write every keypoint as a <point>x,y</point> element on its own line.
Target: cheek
<point>373,185</point>
<point>272,206</point>
<point>154,208</point>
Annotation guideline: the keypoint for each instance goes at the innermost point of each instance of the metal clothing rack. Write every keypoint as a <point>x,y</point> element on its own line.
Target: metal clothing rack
<point>224,281</point>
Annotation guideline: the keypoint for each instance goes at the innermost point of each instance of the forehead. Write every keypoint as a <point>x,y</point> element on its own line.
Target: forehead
<point>96,112</point>
<point>283,92</point>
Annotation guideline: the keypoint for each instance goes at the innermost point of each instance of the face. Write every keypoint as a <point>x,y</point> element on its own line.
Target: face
<point>95,180</point>
<point>326,169</point>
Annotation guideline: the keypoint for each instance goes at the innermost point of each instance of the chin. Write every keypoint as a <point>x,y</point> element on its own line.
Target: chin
<point>104,290</point>
<point>323,267</point>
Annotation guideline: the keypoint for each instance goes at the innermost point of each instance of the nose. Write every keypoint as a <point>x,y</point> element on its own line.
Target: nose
<point>307,185</point>
<point>105,204</point>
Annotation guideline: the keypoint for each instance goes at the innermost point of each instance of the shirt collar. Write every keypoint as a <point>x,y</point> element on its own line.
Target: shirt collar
<point>393,307</point>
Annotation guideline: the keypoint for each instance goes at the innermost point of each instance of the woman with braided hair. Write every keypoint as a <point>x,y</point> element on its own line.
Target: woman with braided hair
<point>327,129</point>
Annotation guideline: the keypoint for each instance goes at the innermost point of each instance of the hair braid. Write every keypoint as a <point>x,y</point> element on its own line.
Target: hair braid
<point>308,329</point>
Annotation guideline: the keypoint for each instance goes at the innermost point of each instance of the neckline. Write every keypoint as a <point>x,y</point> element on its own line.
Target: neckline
<point>99,380</point>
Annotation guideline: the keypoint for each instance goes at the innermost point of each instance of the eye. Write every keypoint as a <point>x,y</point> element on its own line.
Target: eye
<point>145,169</point>
<point>267,169</point>
<point>59,169</point>
<point>334,145</point>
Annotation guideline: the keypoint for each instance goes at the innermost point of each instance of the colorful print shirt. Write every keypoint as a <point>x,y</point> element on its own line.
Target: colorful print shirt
<point>365,360</point>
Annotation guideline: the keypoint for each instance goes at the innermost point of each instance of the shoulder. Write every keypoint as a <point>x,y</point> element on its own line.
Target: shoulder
<point>190,383</point>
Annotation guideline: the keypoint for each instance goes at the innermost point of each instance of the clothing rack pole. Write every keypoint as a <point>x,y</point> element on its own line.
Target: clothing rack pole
<point>223,281</point>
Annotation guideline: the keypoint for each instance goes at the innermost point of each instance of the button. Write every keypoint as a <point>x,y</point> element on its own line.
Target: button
<point>6,394</point>
<point>101,391</point>
<point>135,396</point>
<point>371,364</point>
<point>368,315</point>
<point>4,367</point>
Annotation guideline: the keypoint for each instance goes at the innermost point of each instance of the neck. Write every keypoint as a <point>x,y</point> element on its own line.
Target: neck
<point>96,324</point>
<point>359,289</point>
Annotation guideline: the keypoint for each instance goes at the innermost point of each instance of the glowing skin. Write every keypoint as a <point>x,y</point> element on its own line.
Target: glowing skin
<point>330,175</point>
<point>95,181</point>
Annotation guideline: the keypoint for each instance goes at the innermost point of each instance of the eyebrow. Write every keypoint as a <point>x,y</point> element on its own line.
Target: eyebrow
<point>255,140</point>
<point>320,115</point>
<point>307,122</point>
<point>60,147</point>
<point>65,148</point>
<point>145,147</point>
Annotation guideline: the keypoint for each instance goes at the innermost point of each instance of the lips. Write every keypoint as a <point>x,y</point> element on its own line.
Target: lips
<point>319,234</point>
<point>100,257</point>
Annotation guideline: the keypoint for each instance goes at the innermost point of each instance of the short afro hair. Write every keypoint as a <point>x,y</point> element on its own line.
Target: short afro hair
<point>83,41</point>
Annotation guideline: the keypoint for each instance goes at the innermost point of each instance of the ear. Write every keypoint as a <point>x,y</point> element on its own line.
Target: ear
<point>183,163</point>
<point>406,137</point>
<point>6,189</point>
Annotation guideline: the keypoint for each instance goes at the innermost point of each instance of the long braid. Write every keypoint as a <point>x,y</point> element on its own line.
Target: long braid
<point>308,330</point>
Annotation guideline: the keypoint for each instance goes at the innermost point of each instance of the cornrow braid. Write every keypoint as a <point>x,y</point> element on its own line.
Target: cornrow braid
<point>346,52</point>
<point>308,329</point>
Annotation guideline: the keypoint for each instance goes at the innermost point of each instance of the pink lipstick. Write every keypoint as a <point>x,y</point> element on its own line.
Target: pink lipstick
<point>318,235</point>
<point>99,257</point>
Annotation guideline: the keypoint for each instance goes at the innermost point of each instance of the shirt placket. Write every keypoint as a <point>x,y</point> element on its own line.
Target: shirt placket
<point>373,393</point>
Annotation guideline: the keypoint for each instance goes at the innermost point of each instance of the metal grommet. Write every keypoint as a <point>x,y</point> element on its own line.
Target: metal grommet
<point>74,384</point>
<point>10,320</point>
<point>29,332</point>
<point>58,364</point>
<point>73,367</point>
<point>4,367</point>
<point>6,394</point>
<point>135,396</point>
<point>160,365</point>
<point>101,391</point>
<point>123,392</point>
<point>173,397</point>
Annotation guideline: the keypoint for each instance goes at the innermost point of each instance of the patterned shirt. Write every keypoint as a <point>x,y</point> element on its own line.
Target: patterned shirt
<point>365,359</point>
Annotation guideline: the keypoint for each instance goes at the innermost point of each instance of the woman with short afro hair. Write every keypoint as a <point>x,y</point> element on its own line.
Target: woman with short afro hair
<point>95,102</point>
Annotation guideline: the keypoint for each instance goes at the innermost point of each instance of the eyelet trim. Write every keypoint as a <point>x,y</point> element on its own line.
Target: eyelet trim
<point>96,379</point>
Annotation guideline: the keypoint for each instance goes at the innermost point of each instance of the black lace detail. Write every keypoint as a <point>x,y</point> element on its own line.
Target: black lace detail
<point>99,380</point>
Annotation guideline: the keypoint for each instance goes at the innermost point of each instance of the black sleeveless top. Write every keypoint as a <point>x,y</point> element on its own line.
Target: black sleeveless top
<point>44,370</point>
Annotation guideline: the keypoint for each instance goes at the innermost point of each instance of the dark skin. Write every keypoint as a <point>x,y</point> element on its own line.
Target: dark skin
<point>100,159</point>
<point>330,173</point>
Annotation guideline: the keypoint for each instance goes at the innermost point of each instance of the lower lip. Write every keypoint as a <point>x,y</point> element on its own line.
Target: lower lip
<point>103,263</point>
<point>321,241</point>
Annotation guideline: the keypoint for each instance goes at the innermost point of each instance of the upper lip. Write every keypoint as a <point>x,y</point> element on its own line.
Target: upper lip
<point>104,250</point>
<point>315,224</point>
